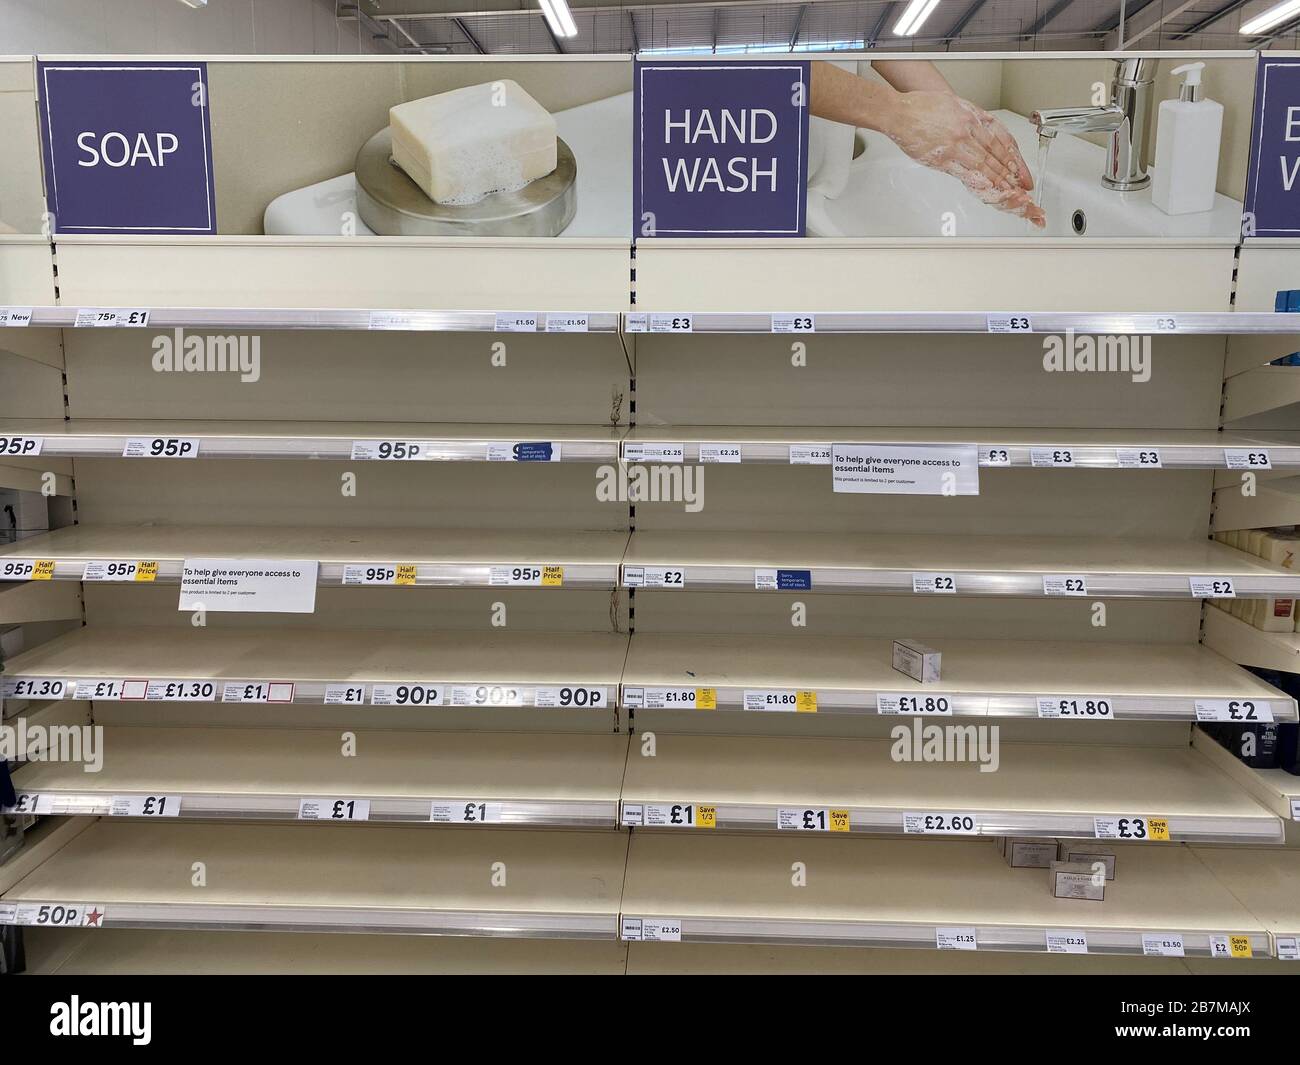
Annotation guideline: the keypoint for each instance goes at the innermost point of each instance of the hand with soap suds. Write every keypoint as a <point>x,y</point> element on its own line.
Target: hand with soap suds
<point>934,126</point>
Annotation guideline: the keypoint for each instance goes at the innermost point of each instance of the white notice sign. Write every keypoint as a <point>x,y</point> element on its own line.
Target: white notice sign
<point>249,585</point>
<point>888,469</point>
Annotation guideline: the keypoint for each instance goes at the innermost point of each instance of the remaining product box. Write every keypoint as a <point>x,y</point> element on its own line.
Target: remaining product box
<point>917,660</point>
<point>1280,547</point>
<point>1078,850</point>
<point>1076,880</point>
<point>1028,852</point>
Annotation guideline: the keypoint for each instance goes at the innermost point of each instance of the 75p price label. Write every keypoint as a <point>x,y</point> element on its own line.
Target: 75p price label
<point>111,318</point>
<point>812,819</point>
<point>1132,828</point>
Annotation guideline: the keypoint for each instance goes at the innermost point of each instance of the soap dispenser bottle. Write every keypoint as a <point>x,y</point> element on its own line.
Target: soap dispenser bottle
<point>1187,148</point>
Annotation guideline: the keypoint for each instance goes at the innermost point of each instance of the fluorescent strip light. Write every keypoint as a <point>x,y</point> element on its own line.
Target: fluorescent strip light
<point>1271,18</point>
<point>917,12</point>
<point>559,18</point>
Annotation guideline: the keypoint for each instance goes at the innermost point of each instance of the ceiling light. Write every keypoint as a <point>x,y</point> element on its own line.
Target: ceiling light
<point>559,18</point>
<point>917,12</point>
<point>195,3</point>
<point>1270,18</point>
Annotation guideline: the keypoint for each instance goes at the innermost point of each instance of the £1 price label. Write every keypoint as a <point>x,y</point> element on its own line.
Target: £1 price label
<point>338,810</point>
<point>679,815</point>
<point>345,694</point>
<point>111,318</point>
<point>1132,828</point>
<point>145,806</point>
<point>464,812</point>
<point>1243,711</point>
<point>30,802</point>
<point>812,819</point>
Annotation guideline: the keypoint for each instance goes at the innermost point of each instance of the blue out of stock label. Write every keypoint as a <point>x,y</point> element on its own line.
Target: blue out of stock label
<point>533,452</point>
<point>794,580</point>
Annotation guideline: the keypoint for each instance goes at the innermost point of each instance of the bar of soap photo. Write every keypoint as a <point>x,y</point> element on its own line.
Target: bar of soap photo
<point>463,145</point>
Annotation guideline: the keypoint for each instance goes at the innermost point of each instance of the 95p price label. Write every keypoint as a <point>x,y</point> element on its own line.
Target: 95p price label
<point>390,573</point>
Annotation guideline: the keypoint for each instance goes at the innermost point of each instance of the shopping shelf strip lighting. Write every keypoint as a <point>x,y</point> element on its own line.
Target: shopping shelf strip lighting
<point>559,18</point>
<point>1273,16</point>
<point>917,12</point>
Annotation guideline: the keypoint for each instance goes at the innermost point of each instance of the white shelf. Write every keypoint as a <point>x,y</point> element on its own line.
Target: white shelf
<point>899,893</point>
<point>281,666</point>
<point>980,678</point>
<point>1277,789</point>
<point>1265,880</point>
<point>979,565</point>
<point>998,448</point>
<point>1240,642</point>
<point>855,786</point>
<point>316,878</point>
<point>479,558</point>
<point>470,779</point>
<point>320,440</point>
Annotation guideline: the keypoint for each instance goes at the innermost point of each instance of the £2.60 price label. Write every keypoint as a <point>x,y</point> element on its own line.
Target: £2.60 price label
<point>941,824</point>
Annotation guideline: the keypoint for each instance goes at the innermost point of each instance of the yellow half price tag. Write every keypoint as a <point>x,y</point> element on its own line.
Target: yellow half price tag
<point>146,572</point>
<point>43,569</point>
<point>839,821</point>
<point>707,817</point>
<point>1239,946</point>
<point>1158,829</point>
<point>552,576</point>
<point>706,699</point>
<point>805,702</point>
<point>405,574</point>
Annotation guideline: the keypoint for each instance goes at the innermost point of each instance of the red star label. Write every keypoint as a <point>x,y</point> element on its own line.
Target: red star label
<point>93,917</point>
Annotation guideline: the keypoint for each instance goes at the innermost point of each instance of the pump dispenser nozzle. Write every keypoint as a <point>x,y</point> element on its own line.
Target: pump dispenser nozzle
<point>1191,88</point>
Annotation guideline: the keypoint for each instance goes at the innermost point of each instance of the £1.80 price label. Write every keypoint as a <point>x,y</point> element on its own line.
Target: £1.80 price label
<point>1083,707</point>
<point>1134,828</point>
<point>925,705</point>
<point>672,698</point>
<point>948,824</point>
<point>812,819</point>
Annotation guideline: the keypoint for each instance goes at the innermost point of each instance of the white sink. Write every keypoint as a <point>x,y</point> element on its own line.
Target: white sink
<point>889,195</point>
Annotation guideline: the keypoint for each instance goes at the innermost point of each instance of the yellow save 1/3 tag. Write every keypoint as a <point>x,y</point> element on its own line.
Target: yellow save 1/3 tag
<point>839,821</point>
<point>1158,829</point>
<point>146,571</point>
<point>552,576</point>
<point>43,569</point>
<point>706,817</point>
<point>405,574</point>
<point>1239,946</point>
<point>805,702</point>
<point>706,698</point>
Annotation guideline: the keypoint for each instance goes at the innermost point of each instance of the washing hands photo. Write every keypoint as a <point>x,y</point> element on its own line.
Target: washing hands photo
<point>918,110</point>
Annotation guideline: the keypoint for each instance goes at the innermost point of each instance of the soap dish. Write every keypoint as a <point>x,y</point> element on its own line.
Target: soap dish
<point>393,205</point>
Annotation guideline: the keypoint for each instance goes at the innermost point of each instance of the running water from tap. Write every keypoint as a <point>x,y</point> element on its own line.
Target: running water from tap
<point>1040,170</point>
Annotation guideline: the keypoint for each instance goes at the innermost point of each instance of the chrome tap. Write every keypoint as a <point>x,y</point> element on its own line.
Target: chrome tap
<point>1126,118</point>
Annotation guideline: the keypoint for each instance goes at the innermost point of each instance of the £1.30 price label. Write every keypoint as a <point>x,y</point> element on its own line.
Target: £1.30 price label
<point>1132,828</point>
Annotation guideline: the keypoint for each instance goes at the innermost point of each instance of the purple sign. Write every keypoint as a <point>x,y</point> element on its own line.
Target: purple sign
<point>127,146</point>
<point>1273,187</point>
<point>720,148</point>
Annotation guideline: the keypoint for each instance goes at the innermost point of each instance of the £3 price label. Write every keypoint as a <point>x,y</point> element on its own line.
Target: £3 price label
<point>1132,828</point>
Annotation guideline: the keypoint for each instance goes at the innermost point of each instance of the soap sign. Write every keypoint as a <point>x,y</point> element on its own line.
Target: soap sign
<point>1273,187</point>
<point>128,147</point>
<point>721,149</point>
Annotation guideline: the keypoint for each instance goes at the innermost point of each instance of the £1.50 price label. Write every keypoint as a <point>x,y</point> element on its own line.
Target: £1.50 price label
<point>812,819</point>
<point>1132,828</point>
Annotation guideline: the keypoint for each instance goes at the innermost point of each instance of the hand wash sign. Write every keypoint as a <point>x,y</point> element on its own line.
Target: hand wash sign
<point>721,148</point>
<point>128,148</point>
<point>1273,187</point>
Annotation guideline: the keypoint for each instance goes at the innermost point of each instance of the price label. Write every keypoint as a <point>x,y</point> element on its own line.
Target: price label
<point>1083,707</point>
<point>27,569</point>
<point>160,447</point>
<point>1065,584</point>
<point>995,456</point>
<point>900,703</point>
<point>955,939</point>
<point>671,323</point>
<point>1009,323</point>
<point>1295,809</point>
<point>121,570</point>
<point>33,688</point>
<point>1139,458</point>
<point>407,695</point>
<point>1212,587</point>
<point>526,576</point>
<point>30,802</point>
<point>782,700</point>
<point>788,322</point>
<point>258,691</point>
<point>812,819</point>
<point>393,450</point>
<point>650,930</point>
<point>390,573</point>
<point>110,691</point>
<point>15,317</point>
<point>678,815</point>
<point>568,323</point>
<point>465,812</point>
<point>941,824</point>
<point>1163,945</point>
<point>1064,941</point>
<point>333,809</point>
<point>145,806</point>
<point>639,451</point>
<point>21,446</point>
<point>486,695</point>
<point>934,583</point>
<point>674,698</point>
<point>1288,948</point>
<point>653,577</point>
<point>1134,828</point>
<point>514,322</point>
<point>1051,456</point>
<point>1166,324</point>
<point>1241,710</point>
<point>390,320</point>
<point>810,454</point>
<point>570,695</point>
<point>180,691</point>
<point>111,318</point>
<point>1247,458</point>
<point>719,453</point>
<point>59,914</point>
<point>345,694</point>
<point>1230,946</point>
